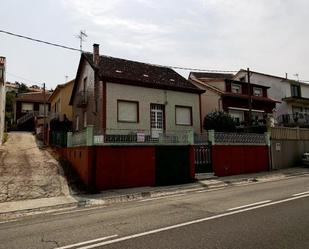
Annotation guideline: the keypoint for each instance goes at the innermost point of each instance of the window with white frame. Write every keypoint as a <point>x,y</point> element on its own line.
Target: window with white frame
<point>183,115</point>
<point>236,88</point>
<point>127,111</point>
<point>238,116</point>
<point>26,107</point>
<point>257,91</point>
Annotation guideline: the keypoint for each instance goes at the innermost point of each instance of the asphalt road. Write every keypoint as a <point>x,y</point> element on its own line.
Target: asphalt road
<point>262,215</point>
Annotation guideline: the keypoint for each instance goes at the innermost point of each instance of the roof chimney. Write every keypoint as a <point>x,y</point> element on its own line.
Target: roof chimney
<point>96,54</point>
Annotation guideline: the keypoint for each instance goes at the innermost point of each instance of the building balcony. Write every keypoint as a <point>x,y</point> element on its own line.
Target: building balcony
<point>296,100</point>
<point>82,99</point>
<point>295,119</point>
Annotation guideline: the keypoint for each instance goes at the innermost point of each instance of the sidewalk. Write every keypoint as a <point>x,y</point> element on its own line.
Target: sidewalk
<point>10,210</point>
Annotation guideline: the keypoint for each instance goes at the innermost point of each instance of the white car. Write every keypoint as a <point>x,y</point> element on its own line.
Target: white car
<point>305,158</point>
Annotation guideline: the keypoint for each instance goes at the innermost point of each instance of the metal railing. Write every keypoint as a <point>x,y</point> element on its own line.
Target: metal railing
<point>238,138</point>
<point>90,137</point>
<point>294,119</point>
<point>82,98</point>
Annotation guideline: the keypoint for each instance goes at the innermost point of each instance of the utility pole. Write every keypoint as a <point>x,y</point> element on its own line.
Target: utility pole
<point>81,36</point>
<point>250,98</point>
<point>44,113</point>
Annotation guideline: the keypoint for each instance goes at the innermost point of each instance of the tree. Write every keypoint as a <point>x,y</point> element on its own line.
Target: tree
<point>219,121</point>
<point>23,88</point>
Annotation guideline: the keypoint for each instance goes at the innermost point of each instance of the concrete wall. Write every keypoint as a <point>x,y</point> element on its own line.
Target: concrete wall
<point>287,153</point>
<point>146,96</point>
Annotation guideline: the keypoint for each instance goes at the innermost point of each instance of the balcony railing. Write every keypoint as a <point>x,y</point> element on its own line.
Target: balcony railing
<point>82,98</point>
<point>295,119</point>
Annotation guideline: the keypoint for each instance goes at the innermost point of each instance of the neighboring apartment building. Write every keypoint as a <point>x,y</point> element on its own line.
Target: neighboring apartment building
<point>2,97</point>
<point>293,108</point>
<point>123,96</point>
<point>29,110</point>
<point>223,93</point>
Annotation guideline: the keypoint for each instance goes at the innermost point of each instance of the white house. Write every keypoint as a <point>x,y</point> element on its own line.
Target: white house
<point>294,96</point>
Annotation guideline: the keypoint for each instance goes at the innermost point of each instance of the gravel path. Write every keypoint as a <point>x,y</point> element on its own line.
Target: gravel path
<point>28,172</point>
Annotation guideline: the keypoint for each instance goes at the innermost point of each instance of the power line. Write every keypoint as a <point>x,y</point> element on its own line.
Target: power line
<point>37,40</point>
<point>79,50</point>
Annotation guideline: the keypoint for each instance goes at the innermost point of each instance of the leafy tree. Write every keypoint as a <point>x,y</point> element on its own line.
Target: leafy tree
<point>219,121</point>
<point>23,88</point>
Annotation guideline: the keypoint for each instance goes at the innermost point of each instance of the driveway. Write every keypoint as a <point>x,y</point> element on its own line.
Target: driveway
<point>28,172</point>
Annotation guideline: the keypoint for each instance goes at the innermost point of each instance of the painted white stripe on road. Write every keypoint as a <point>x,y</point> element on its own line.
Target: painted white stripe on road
<point>79,210</point>
<point>210,190</point>
<point>162,197</point>
<point>303,193</point>
<point>87,242</point>
<point>249,205</point>
<point>190,222</point>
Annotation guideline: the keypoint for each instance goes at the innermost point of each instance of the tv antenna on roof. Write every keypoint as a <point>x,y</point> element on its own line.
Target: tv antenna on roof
<point>81,36</point>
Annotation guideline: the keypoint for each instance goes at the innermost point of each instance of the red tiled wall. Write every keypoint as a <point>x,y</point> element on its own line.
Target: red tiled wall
<point>236,159</point>
<point>81,160</point>
<point>125,166</point>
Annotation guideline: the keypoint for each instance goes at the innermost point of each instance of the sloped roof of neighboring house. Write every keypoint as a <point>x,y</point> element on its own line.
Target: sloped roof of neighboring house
<point>202,75</point>
<point>130,72</point>
<point>58,88</point>
<point>32,97</point>
<point>272,76</point>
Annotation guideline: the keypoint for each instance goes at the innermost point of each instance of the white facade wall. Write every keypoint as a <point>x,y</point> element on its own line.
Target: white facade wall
<point>146,96</point>
<point>279,89</point>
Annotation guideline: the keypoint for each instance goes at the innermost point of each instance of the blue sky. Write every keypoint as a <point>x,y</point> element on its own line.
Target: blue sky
<point>267,36</point>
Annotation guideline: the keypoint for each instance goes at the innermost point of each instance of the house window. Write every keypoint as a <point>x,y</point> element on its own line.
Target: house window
<point>1,73</point>
<point>77,123</point>
<point>183,115</point>
<point>41,109</point>
<point>127,111</point>
<point>85,119</point>
<point>85,84</point>
<point>297,109</point>
<point>243,79</point>
<point>236,88</point>
<point>26,107</point>
<point>295,91</point>
<point>238,116</point>
<point>257,91</point>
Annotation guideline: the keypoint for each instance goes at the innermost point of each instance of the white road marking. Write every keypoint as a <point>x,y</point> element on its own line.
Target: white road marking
<point>87,242</point>
<point>249,205</point>
<point>79,210</point>
<point>303,193</point>
<point>191,222</point>
<point>8,221</point>
<point>162,197</point>
<point>210,190</point>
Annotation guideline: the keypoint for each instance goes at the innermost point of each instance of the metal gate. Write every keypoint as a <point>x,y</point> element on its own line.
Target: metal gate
<point>202,156</point>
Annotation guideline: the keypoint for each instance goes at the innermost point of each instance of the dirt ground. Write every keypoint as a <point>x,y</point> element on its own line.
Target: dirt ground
<point>28,172</point>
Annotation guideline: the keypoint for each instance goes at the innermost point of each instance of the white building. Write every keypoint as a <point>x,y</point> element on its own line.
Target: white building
<point>294,96</point>
<point>2,97</point>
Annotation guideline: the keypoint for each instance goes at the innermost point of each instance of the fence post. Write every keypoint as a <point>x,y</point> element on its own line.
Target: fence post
<point>190,137</point>
<point>69,139</point>
<point>267,138</point>
<point>211,136</point>
<point>89,135</point>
